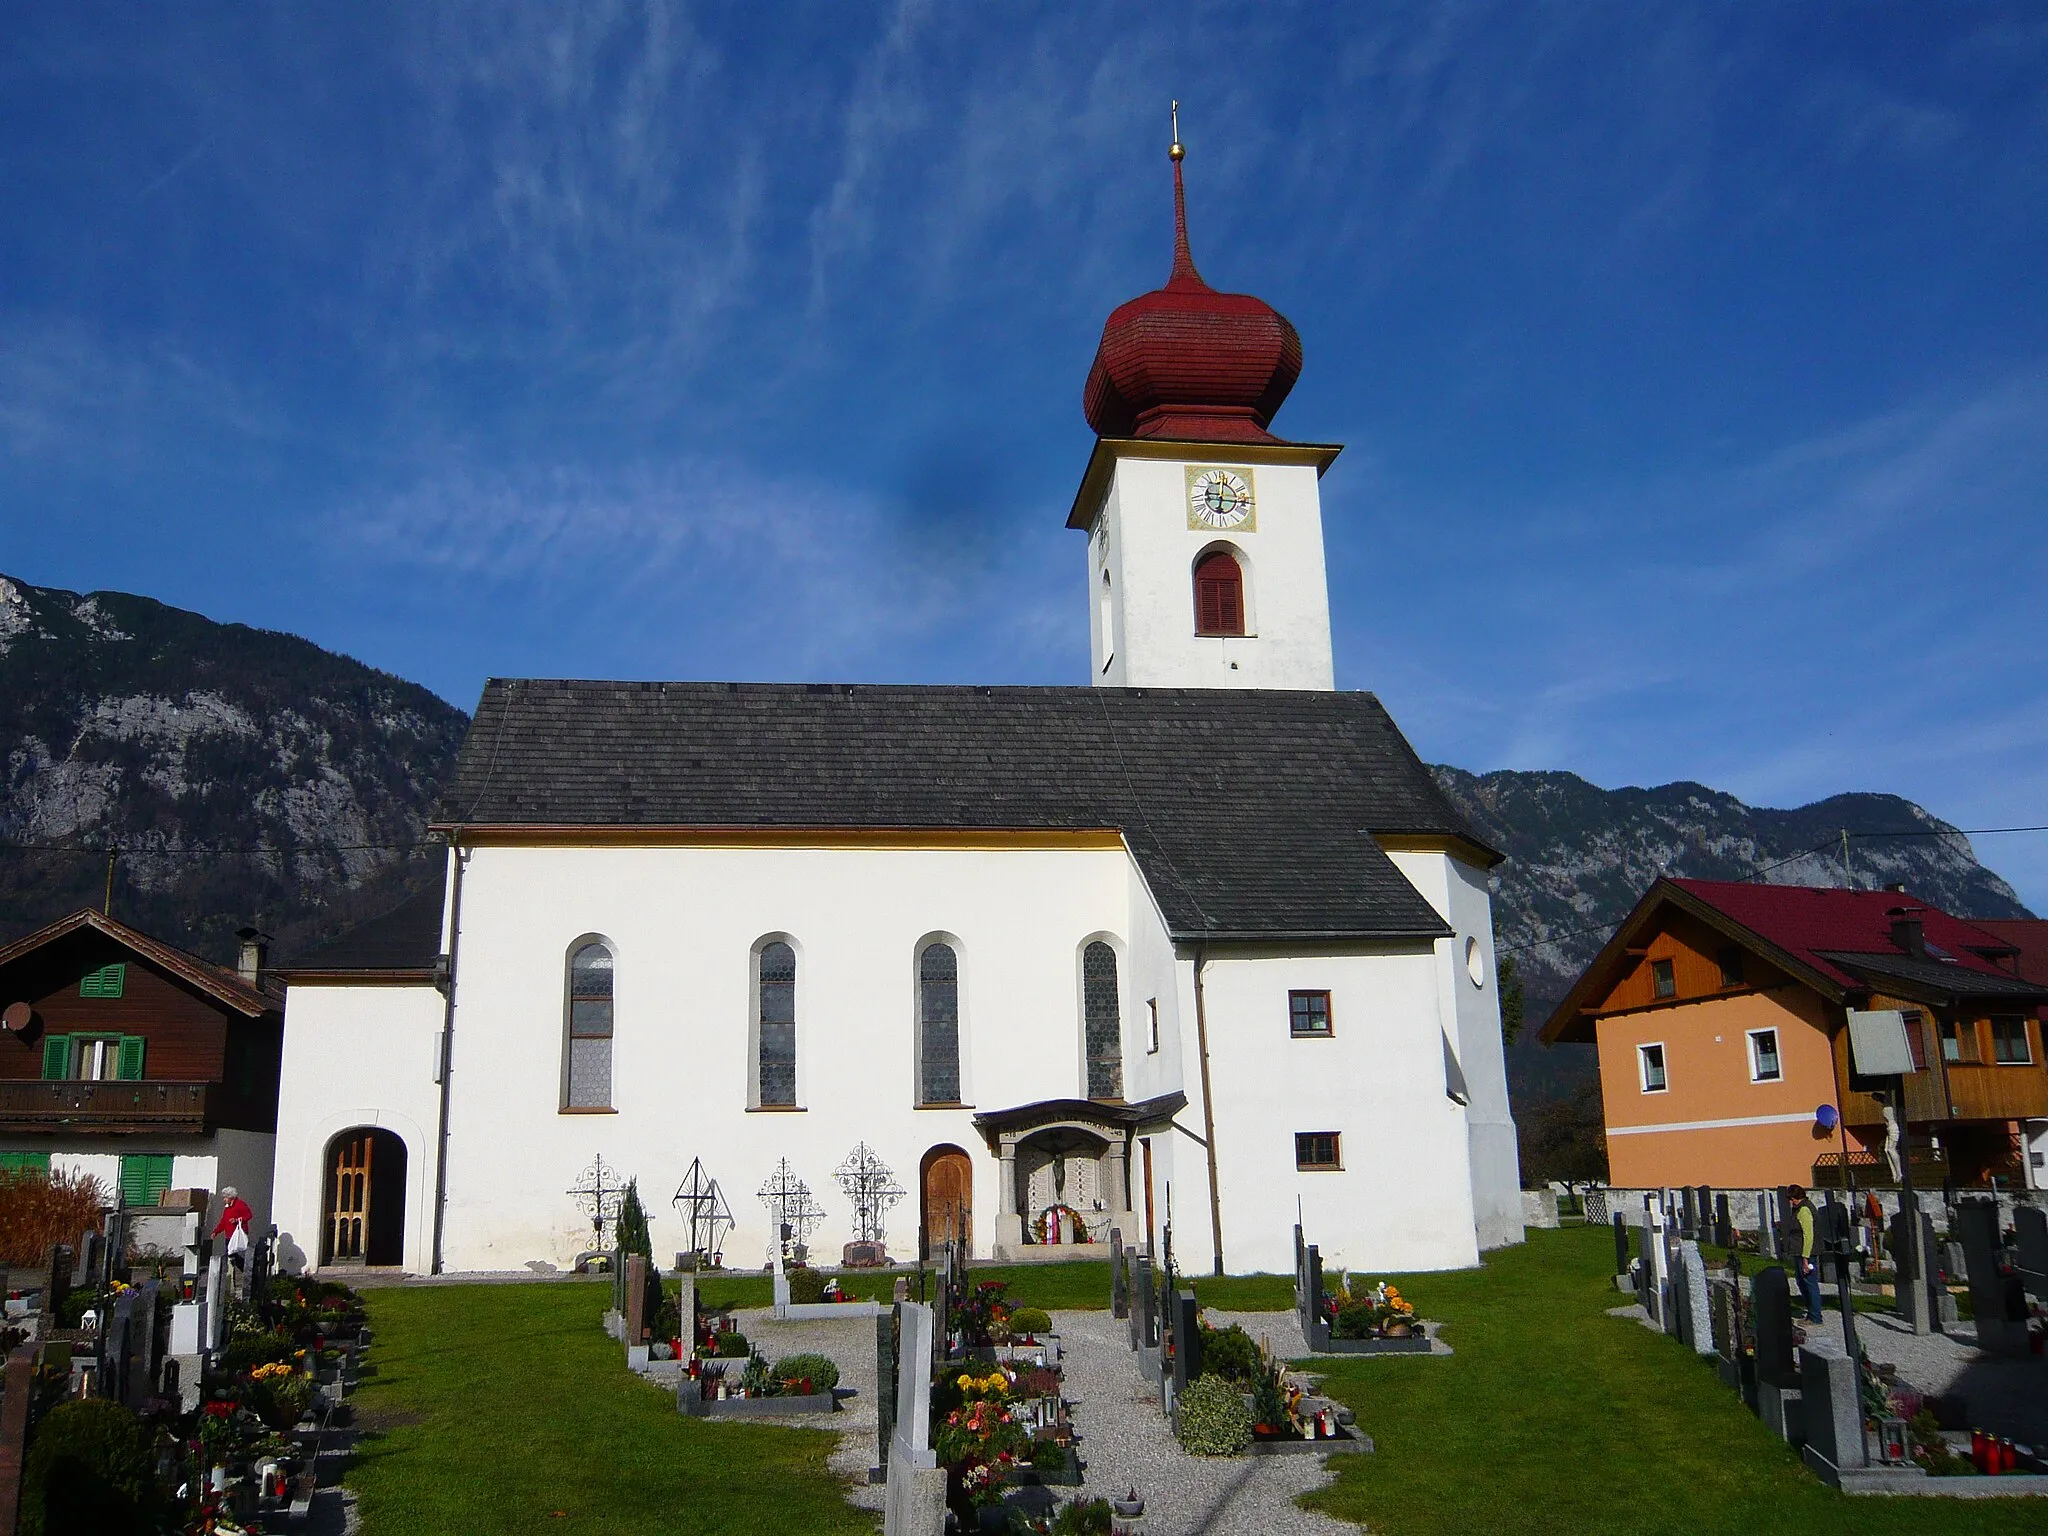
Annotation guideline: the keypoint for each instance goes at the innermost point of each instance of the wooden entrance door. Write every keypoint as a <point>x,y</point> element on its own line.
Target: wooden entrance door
<point>948,1183</point>
<point>348,1196</point>
<point>364,1215</point>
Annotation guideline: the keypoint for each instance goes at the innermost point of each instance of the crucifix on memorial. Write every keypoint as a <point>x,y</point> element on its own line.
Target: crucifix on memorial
<point>792,1209</point>
<point>702,1206</point>
<point>871,1186</point>
<point>599,1189</point>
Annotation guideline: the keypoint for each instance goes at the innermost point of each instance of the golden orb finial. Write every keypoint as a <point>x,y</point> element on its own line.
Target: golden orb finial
<point>1176,150</point>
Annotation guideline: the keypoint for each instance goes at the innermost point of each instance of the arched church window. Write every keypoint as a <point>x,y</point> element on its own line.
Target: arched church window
<point>588,1071</point>
<point>1102,1018</point>
<point>1219,595</point>
<point>938,1025</point>
<point>776,1027</point>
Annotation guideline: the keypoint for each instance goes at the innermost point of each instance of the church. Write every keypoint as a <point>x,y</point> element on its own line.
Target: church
<point>1190,953</point>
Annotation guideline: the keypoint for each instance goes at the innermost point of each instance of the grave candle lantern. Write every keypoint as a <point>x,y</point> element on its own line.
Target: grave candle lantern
<point>1891,1442</point>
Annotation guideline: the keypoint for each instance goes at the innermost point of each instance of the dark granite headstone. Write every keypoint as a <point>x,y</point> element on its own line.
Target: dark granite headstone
<point>56,1281</point>
<point>2032,1223</point>
<point>115,1348</point>
<point>1766,1225</point>
<point>1770,1301</point>
<point>635,1309</point>
<point>885,1392</point>
<point>91,1249</point>
<point>1187,1341</point>
<point>1620,1244</point>
<point>1724,1223</point>
<point>1146,1296</point>
<point>1688,1218</point>
<point>1119,1297</point>
<point>1832,1409</point>
<point>1998,1300</point>
<point>1703,1216</point>
<point>142,1352</point>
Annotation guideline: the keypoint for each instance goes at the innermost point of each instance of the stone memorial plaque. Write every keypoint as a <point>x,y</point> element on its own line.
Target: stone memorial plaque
<point>1831,1407</point>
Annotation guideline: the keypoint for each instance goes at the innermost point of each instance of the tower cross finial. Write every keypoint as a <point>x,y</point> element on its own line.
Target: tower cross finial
<point>1184,273</point>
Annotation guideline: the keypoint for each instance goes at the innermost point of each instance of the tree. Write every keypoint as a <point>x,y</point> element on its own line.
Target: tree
<point>632,1228</point>
<point>1509,981</point>
<point>1565,1140</point>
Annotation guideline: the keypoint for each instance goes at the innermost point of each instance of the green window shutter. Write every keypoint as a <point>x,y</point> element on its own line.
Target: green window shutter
<point>107,981</point>
<point>25,1162</point>
<point>129,1064</point>
<point>144,1177</point>
<point>56,1056</point>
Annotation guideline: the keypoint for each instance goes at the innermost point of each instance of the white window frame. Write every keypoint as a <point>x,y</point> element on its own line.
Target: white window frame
<point>1756,1057</point>
<point>1151,1026</point>
<point>1643,1066</point>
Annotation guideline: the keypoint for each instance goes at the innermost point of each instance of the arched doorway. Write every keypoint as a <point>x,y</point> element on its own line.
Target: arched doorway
<point>946,1186</point>
<point>362,1216</point>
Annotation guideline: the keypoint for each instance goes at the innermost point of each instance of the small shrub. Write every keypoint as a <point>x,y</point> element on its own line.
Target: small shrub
<point>1269,1400</point>
<point>733,1345</point>
<point>757,1380</point>
<point>38,1209</point>
<point>1085,1517</point>
<point>1232,1354</point>
<point>1030,1320</point>
<point>244,1354</point>
<point>806,1287</point>
<point>1214,1420</point>
<point>1048,1455</point>
<point>90,1468</point>
<point>819,1369</point>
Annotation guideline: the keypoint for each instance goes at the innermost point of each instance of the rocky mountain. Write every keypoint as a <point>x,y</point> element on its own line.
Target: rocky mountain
<point>1580,856</point>
<point>242,775</point>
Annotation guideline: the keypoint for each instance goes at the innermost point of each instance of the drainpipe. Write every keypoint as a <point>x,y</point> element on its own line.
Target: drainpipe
<point>1208,1110</point>
<point>447,982</point>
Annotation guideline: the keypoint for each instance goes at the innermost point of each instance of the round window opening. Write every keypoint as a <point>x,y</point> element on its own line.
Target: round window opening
<point>1475,963</point>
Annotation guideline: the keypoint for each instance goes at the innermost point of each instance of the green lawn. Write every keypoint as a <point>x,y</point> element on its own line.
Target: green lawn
<point>509,1410</point>
<point>1553,1416</point>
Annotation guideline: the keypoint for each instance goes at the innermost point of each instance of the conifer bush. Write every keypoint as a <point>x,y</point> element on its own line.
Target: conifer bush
<point>90,1468</point>
<point>819,1370</point>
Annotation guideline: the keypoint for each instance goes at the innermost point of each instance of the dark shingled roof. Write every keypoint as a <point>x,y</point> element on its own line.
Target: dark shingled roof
<point>407,938</point>
<point>1251,813</point>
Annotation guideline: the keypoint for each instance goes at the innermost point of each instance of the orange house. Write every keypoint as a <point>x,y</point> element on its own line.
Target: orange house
<point>1720,1011</point>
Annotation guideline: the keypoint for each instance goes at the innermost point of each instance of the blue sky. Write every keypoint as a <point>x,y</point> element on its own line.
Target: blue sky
<point>1692,361</point>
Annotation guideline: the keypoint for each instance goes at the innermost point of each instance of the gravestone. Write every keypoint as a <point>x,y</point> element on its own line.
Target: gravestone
<point>1917,1295</point>
<point>915,1504</point>
<point>1954,1260</point>
<point>1146,1295</point>
<point>1620,1244</point>
<point>56,1282</point>
<point>885,1393</point>
<point>116,1348</point>
<point>1678,1314</point>
<point>1187,1341</point>
<point>1725,1305</point>
<point>636,1301</point>
<point>1646,1268</point>
<point>143,1355</point>
<point>1724,1224</point>
<point>1119,1297</point>
<point>1770,1302</point>
<point>2032,1223</point>
<point>1767,1224</point>
<point>686,1313</point>
<point>91,1253</point>
<point>1997,1300</point>
<point>1699,1325</point>
<point>1832,1406</point>
<point>1687,1221</point>
<point>213,1316</point>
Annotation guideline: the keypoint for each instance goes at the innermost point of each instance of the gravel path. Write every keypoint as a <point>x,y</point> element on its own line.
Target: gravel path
<point>1126,1443</point>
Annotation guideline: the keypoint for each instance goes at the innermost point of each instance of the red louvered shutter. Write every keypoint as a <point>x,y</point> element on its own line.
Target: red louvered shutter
<point>1219,595</point>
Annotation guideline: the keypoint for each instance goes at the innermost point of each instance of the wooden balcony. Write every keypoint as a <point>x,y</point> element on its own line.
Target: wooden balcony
<point>106,1108</point>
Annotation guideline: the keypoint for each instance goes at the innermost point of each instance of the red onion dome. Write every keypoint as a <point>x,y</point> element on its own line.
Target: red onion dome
<point>1189,363</point>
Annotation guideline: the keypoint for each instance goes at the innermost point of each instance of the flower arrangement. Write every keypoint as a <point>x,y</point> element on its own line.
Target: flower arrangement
<point>981,1441</point>
<point>1371,1312</point>
<point>1046,1228</point>
<point>982,1315</point>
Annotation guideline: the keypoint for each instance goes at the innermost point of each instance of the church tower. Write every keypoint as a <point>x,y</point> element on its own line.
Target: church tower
<point>1205,531</point>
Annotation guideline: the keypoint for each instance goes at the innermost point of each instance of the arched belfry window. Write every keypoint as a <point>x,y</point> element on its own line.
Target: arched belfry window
<point>1102,1019</point>
<point>775,1027</point>
<point>938,1024</point>
<point>1219,594</point>
<point>587,1071</point>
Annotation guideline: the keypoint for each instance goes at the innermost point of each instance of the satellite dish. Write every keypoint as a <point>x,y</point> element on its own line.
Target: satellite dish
<point>16,1018</point>
<point>1826,1118</point>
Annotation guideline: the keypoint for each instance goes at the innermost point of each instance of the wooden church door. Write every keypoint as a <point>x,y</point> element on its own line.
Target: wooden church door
<point>948,1198</point>
<point>365,1199</point>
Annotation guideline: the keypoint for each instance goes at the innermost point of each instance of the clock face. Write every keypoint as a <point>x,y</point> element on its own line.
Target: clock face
<point>1220,498</point>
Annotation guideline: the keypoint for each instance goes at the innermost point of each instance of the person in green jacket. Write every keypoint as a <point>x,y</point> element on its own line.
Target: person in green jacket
<point>1806,1260</point>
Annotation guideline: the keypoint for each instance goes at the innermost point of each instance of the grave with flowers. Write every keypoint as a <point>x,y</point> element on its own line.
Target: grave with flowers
<point>1361,1318</point>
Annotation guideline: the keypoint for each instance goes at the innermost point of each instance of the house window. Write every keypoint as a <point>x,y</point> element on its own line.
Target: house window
<point>1102,1022</point>
<point>587,1071</point>
<point>1317,1151</point>
<point>1916,1037</point>
<point>1731,965</point>
<point>2009,1041</point>
<point>938,1024</point>
<point>775,1026</point>
<point>1219,595</point>
<point>1308,1014</point>
<point>144,1177</point>
<point>107,981</point>
<point>1650,1060</point>
<point>1958,1042</point>
<point>1764,1066</point>
<point>93,1058</point>
<point>1151,1025</point>
<point>1663,979</point>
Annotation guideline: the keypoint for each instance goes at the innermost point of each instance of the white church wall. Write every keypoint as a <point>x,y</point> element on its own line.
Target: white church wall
<point>1470,990</point>
<point>1403,1198</point>
<point>682,923</point>
<point>1142,540</point>
<point>356,1056</point>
